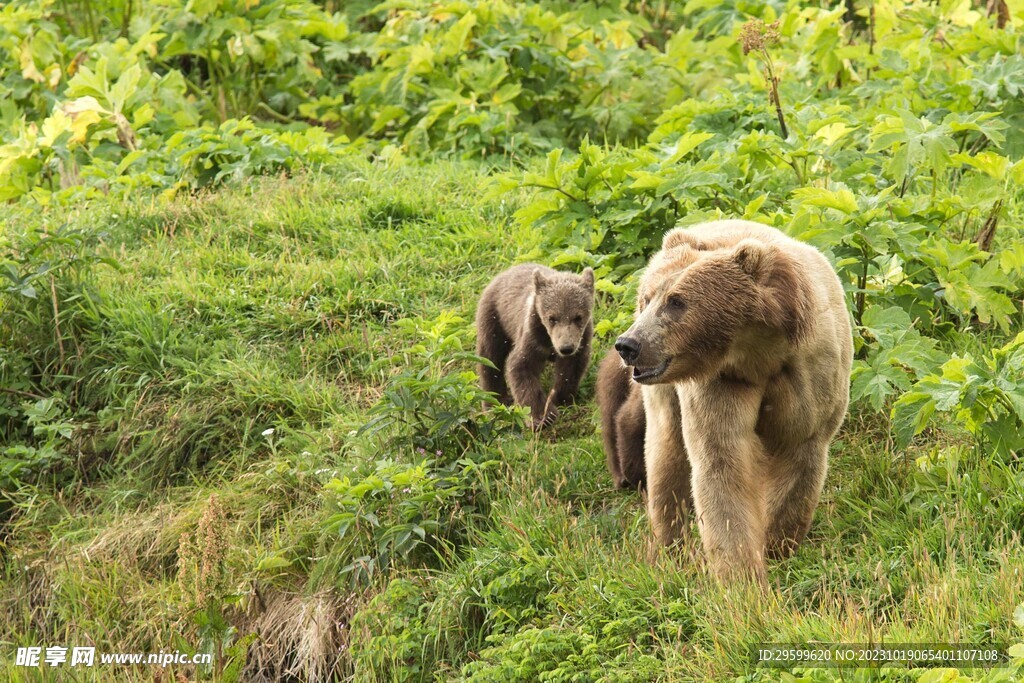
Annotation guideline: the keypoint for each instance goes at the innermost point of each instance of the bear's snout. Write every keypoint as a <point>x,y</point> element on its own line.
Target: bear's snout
<point>566,349</point>
<point>628,348</point>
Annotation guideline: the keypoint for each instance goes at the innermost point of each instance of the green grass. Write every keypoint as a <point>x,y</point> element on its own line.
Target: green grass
<point>273,306</point>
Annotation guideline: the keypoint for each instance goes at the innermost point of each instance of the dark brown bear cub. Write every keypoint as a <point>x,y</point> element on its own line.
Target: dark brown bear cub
<point>622,422</point>
<point>530,315</point>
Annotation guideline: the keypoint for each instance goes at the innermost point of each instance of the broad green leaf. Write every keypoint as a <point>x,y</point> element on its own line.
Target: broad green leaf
<point>955,369</point>
<point>833,132</point>
<point>1011,259</point>
<point>455,39</point>
<point>551,168</point>
<point>124,88</point>
<point>84,112</point>
<point>939,676</point>
<point>753,206</point>
<point>884,323</point>
<point>645,180</point>
<point>842,200</point>
<point>991,164</point>
<point>271,563</point>
<point>685,145</point>
<point>54,126</point>
<point>911,414</point>
<point>876,382</point>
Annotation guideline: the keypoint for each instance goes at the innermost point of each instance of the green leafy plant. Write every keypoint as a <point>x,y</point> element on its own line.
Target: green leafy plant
<point>44,451</point>
<point>486,78</point>
<point>985,395</point>
<point>896,355</point>
<point>396,511</point>
<point>432,405</point>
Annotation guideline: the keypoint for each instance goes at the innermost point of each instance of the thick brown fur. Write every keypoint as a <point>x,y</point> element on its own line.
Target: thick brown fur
<point>622,422</point>
<point>530,315</point>
<point>743,344</point>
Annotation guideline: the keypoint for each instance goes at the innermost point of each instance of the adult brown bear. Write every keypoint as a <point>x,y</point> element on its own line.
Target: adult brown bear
<point>742,343</point>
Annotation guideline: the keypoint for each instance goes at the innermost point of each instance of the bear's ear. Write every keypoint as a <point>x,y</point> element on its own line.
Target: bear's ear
<point>784,302</point>
<point>587,278</point>
<point>754,258</point>
<point>540,280</point>
<point>680,236</point>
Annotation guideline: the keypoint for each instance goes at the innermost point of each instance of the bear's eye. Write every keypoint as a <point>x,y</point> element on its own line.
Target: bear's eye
<point>552,321</point>
<point>676,302</point>
<point>577,320</point>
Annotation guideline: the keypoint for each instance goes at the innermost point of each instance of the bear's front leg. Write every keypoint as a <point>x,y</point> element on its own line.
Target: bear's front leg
<point>523,371</point>
<point>727,457</point>
<point>668,470</point>
<point>493,344</point>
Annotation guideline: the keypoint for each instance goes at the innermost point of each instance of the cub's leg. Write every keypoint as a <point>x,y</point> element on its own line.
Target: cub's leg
<point>609,435</point>
<point>793,482</point>
<point>523,371</point>
<point>668,471</point>
<point>630,428</point>
<point>726,456</point>
<point>493,344</point>
<point>569,371</point>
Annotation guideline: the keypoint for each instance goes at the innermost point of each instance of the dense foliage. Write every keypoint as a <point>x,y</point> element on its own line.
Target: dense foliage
<point>246,407</point>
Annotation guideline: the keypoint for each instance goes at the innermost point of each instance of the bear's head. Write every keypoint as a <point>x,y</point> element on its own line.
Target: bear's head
<point>698,305</point>
<point>564,303</point>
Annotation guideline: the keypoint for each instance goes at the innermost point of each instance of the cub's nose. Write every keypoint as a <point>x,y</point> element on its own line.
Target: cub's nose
<point>566,350</point>
<point>628,348</point>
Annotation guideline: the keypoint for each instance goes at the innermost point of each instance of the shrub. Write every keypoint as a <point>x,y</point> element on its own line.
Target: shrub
<point>399,514</point>
<point>433,406</point>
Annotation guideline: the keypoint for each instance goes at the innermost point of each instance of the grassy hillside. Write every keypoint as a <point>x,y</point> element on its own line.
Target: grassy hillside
<point>241,243</point>
<point>234,351</point>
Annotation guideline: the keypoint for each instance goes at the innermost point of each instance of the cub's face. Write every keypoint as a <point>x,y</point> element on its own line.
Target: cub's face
<point>691,306</point>
<point>564,304</point>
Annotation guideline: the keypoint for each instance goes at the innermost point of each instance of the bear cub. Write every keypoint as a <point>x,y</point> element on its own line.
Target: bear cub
<point>622,422</point>
<point>530,315</point>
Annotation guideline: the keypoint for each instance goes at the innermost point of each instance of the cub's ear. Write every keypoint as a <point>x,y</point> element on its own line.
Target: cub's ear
<point>754,258</point>
<point>680,236</point>
<point>587,278</point>
<point>540,280</point>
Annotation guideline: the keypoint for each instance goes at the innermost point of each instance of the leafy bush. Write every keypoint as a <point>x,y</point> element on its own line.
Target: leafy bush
<point>986,396</point>
<point>394,635</point>
<point>438,417</point>
<point>894,354</point>
<point>486,78</point>
<point>122,114</point>
<point>396,512</point>
<point>45,285</point>
<point>246,58</point>
<point>433,407</point>
<point>559,654</point>
<point>43,451</point>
